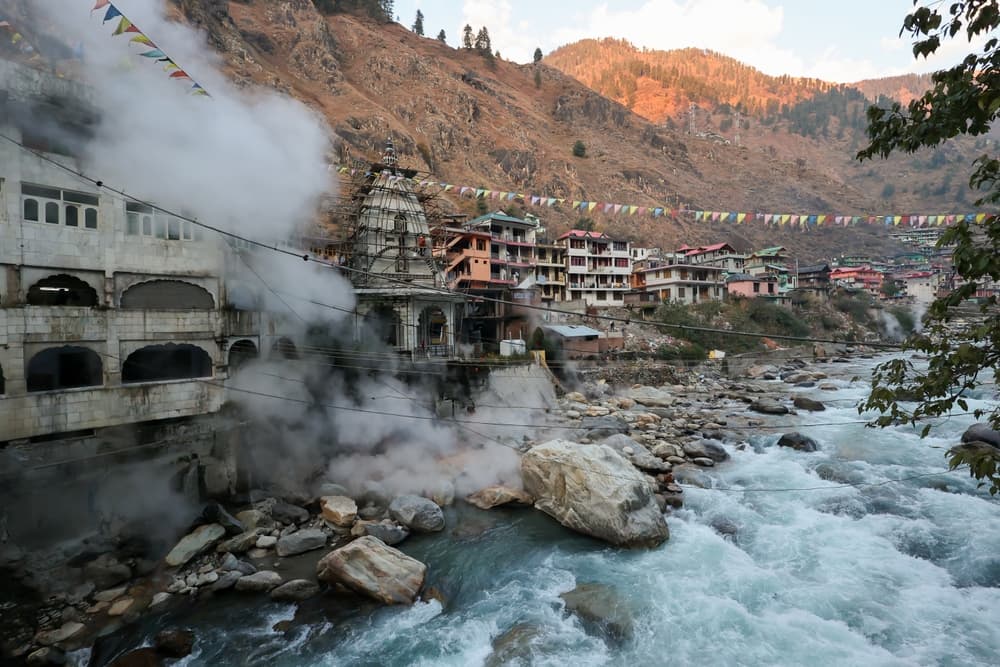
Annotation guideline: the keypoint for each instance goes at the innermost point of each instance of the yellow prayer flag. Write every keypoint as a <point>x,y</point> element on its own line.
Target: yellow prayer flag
<point>740,217</point>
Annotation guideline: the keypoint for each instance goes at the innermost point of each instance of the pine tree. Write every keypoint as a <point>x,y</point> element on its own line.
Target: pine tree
<point>538,54</point>
<point>442,37</point>
<point>418,23</point>
<point>482,44</point>
<point>467,37</point>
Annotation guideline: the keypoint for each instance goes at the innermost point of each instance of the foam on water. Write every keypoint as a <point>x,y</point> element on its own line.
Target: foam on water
<point>827,559</point>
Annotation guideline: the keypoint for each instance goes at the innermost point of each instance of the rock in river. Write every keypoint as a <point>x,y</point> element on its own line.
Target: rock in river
<point>339,510</point>
<point>369,566</point>
<point>301,541</point>
<point>494,496</point>
<point>194,543</point>
<point>803,443</point>
<point>809,404</point>
<point>295,590</point>
<point>981,433</point>
<point>416,513</point>
<point>768,406</point>
<point>593,490</point>
<point>601,611</point>
<point>261,582</point>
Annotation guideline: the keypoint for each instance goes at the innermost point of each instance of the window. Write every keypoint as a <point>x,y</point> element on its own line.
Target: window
<point>64,368</point>
<point>577,244</point>
<point>59,206</point>
<point>480,244</point>
<point>52,213</point>
<point>173,229</point>
<point>756,288</point>
<point>620,245</point>
<point>680,292</point>
<point>160,227</point>
<point>621,262</point>
<point>578,261</point>
<point>143,220</point>
<point>31,210</point>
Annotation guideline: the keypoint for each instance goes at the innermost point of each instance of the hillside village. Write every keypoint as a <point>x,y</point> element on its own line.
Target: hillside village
<point>299,372</point>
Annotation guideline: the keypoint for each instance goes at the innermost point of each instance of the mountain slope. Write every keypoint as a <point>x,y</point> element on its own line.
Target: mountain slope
<point>484,122</point>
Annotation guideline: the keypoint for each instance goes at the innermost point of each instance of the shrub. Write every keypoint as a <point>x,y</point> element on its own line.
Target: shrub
<point>579,149</point>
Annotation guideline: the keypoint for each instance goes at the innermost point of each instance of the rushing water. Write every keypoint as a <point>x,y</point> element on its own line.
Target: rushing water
<point>895,573</point>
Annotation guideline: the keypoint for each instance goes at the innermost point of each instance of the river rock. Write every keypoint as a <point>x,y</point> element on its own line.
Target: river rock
<point>418,514</point>
<point>768,406</point>
<point>106,571</point>
<point>666,450</point>
<point>64,632</point>
<point>494,496</point>
<point>240,544</point>
<point>601,610</point>
<point>295,590</point>
<point>197,541</point>
<point>980,432</point>
<point>706,449</point>
<point>122,606</point>
<point>225,581</point>
<point>598,428</point>
<point>266,541</point>
<point>339,510</point>
<point>160,598</point>
<point>284,512</point>
<point>514,647</point>
<point>703,461</point>
<point>803,443</point>
<point>388,531</point>
<point>254,518</point>
<point>637,455</point>
<point>652,397</point>
<point>809,404</point>
<point>261,582</point>
<point>758,371</point>
<point>216,513</point>
<point>331,489</point>
<point>369,566</point>
<point>110,594</point>
<point>174,642</point>
<point>300,542</point>
<point>593,490</point>
<point>47,655</point>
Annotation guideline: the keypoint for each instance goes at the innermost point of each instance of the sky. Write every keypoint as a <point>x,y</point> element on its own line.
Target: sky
<point>842,41</point>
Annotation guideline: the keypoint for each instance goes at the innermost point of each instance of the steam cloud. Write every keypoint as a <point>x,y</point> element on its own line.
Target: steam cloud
<point>255,163</point>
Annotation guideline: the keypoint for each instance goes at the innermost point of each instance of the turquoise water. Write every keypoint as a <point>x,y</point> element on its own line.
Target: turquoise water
<point>897,574</point>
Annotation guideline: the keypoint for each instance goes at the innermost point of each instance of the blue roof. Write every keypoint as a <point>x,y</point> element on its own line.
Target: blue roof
<point>572,330</point>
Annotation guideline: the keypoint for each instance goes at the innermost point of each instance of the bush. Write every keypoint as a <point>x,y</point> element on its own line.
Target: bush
<point>688,352</point>
<point>854,306</point>
<point>579,149</point>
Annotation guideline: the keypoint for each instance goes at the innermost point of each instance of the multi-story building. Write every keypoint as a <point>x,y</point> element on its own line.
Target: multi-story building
<point>550,272</point>
<point>512,245</point>
<point>678,283</point>
<point>721,255</point>
<point>921,286</point>
<point>858,277</point>
<point>598,268</point>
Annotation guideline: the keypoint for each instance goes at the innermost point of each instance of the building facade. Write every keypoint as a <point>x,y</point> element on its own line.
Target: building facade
<point>598,268</point>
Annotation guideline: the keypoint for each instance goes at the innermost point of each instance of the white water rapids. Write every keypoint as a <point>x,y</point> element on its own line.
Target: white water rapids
<point>881,573</point>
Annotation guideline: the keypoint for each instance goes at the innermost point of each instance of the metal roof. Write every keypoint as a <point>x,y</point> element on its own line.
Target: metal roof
<point>572,330</point>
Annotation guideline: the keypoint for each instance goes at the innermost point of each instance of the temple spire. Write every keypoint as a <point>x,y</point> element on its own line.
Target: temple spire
<point>389,156</point>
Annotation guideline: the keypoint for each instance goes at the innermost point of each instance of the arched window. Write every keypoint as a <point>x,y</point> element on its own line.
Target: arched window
<point>64,368</point>
<point>155,363</point>
<point>167,295</point>
<point>286,348</point>
<point>241,352</point>
<point>31,210</point>
<point>62,290</point>
<point>52,213</point>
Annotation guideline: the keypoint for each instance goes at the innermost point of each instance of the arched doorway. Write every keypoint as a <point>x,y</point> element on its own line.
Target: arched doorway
<point>383,324</point>
<point>64,367</point>
<point>433,330</point>
<point>241,352</point>
<point>62,290</point>
<point>155,363</point>
<point>167,295</point>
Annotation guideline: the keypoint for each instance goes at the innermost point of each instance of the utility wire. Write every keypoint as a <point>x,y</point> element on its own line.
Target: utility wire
<point>442,290</point>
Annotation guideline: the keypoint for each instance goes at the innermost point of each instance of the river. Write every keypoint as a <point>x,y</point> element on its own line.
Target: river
<point>822,559</point>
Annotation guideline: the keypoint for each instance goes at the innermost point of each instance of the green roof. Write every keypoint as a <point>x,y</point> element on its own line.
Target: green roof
<point>770,251</point>
<point>499,216</point>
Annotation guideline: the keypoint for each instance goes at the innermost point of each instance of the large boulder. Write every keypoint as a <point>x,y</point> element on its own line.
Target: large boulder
<point>295,590</point>
<point>494,496</point>
<point>597,428</point>
<point>416,513</point>
<point>370,567</point>
<point>339,510</point>
<point>652,397</point>
<point>769,406</point>
<point>284,512</point>
<point>388,531</point>
<point>601,611</point>
<point>637,454</point>
<point>803,443</point>
<point>593,490</point>
<point>198,541</point>
<point>300,542</point>
<point>981,433</point>
<point>809,404</point>
<point>174,642</point>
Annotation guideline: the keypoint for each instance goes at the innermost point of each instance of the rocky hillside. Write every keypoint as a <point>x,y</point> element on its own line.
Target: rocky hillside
<point>484,122</point>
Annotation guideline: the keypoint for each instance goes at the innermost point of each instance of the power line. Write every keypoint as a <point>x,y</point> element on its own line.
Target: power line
<point>442,290</point>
